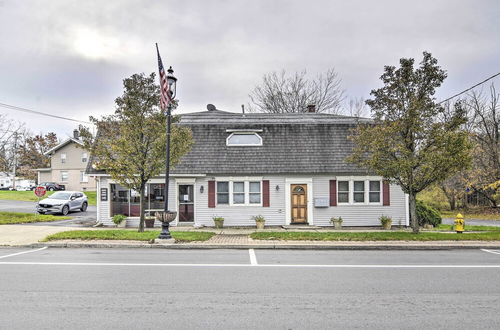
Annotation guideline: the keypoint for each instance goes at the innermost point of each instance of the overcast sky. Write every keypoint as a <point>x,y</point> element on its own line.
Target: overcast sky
<point>69,57</point>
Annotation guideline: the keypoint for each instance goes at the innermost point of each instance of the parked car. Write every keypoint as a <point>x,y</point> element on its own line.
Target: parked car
<point>50,186</point>
<point>63,202</point>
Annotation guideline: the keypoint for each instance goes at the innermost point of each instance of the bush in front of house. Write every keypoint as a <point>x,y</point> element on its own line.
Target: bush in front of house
<point>427,215</point>
<point>118,218</point>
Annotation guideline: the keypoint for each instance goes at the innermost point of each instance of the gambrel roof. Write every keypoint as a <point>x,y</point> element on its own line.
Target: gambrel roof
<point>294,143</point>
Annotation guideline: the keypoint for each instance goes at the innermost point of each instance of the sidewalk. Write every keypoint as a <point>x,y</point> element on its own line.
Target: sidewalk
<point>226,238</point>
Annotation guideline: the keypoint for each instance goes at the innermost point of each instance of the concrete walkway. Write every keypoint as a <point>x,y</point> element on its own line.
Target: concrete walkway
<point>18,235</point>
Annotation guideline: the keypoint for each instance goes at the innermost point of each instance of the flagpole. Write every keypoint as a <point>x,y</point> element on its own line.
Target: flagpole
<point>167,95</point>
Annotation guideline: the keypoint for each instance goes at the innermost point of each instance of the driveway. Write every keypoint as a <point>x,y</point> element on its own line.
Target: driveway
<point>78,219</point>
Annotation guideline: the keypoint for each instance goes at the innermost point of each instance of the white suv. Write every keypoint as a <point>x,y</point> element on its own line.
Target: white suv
<point>63,202</point>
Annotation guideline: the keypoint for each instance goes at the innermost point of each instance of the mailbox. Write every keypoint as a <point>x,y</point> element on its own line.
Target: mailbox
<point>322,202</point>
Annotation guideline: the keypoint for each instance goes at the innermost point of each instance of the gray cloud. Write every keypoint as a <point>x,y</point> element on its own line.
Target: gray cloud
<point>69,57</point>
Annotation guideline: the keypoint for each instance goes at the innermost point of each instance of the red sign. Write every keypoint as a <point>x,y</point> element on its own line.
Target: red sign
<point>40,191</point>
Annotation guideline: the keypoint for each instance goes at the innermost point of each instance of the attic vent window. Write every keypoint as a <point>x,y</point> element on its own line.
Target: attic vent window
<point>244,139</point>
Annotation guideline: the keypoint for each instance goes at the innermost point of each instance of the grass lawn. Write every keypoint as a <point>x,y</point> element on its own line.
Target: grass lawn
<point>377,236</point>
<point>471,215</point>
<point>467,228</point>
<point>7,218</point>
<point>124,234</point>
<point>31,197</point>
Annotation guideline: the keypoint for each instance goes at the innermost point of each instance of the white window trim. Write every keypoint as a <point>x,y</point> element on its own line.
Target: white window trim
<point>63,159</point>
<point>86,157</point>
<point>246,183</point>
<point>244,145</point>
<point>83,176</point>
<point>367,180</point>
<point>67,176</point>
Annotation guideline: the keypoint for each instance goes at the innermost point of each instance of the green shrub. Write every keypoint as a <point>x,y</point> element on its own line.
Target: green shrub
<point>385,220</point>
<point>434,197</point>
<point>427,215</point>
<point>259,218</point>
<point>118,218</point>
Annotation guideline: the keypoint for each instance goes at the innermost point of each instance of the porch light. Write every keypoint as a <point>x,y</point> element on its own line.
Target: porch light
<point>172,82</point>
<point>277,187</point>
<point>201,189</point>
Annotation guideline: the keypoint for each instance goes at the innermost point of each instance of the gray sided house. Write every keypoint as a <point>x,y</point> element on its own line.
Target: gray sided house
<point>289,168</point>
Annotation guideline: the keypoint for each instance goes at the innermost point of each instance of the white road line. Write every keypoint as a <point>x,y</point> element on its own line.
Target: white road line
<point>239,265</point>
<point>18,253</point>
<point>490,251</point>
<point>253,258</point>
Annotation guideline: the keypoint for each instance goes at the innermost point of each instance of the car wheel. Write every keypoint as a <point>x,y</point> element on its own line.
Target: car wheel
<point>65,210</point>
<point>84,207</point>
<point>51,189</point>
<point>41,212</point>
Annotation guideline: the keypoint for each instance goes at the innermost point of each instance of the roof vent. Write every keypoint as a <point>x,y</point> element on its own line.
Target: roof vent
<point>211,107</point>
<point>311,108</point>
<point>76,134</point>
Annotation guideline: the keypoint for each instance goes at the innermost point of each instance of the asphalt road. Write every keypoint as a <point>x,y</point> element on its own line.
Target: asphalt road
<point>246,289</point>
<point>79,219</point>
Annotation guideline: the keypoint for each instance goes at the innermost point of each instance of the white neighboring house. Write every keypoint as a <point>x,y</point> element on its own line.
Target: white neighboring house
<point>21,184</point>
<point>5,180</point>
<point>289,168</point>
<point>68,162</point>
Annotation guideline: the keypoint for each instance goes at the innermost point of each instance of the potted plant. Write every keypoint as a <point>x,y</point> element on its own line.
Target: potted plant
<point>337,222</point>
<point>120,220</point>
<point>149,221</point>
<point>218,221</point>
<point>386,221</point>
<point>260,221</point>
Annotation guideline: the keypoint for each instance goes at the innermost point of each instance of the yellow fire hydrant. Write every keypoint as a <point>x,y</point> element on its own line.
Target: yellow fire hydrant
<point>459,224</point>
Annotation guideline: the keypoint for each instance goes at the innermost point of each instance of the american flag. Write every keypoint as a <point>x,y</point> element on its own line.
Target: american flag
<point>164,92</point>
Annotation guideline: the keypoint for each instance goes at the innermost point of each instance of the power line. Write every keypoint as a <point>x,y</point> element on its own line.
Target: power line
<point>468,89</point>
<point>12,107</point>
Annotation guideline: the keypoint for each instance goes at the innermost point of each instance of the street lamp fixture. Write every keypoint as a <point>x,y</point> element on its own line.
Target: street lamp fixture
<point>172,83</point>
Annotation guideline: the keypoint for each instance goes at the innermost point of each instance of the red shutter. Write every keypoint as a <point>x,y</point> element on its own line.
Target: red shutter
<point>333,192</point>
<point>211,193</point>
<point>265,193</point>
<point>386,193</point>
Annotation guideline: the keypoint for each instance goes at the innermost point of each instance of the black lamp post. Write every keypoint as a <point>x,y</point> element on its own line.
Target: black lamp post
<point>168,216</point>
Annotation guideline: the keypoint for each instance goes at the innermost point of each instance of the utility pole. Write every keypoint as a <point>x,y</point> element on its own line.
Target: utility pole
<point>14,162</point>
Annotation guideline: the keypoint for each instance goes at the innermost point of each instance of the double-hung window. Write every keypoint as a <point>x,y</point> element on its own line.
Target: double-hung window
<point>83,177</point>
<point>374,194</point>
<point>343,192</point>
<point>84,157</point>
<point>64,176</point>
<point>359,192</point>
<point>254,193</point>
<point>223,192</point>
<point>63,158</point>
<point>239,192</point>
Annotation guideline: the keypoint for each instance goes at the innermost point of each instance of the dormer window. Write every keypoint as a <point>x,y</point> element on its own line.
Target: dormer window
<point>243,138</point>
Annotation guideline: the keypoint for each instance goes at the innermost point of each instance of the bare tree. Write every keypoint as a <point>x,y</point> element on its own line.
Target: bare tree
<point>11,135</point>
<point>357,107</point>
<point>280,93</point>
<point>484,178</point>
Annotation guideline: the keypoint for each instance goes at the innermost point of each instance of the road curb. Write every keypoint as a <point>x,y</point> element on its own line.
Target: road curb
<point>183,246</point>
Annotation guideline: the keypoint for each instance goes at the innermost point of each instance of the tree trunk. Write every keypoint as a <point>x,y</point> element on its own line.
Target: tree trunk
<point>450,196</point>
<point>143,204</point>
<point>413,212</point>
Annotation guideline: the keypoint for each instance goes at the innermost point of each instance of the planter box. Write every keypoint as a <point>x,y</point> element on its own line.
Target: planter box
<point>219,223</point>
<point>260,224</point>
<point>149,222</point>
